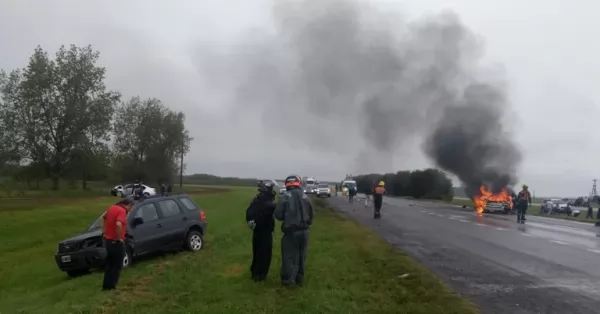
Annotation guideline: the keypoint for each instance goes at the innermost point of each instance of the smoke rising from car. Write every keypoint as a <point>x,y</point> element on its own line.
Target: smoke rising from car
<point>341,76</point>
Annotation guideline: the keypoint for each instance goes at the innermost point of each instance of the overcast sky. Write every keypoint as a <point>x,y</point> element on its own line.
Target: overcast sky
<point>152,48</point>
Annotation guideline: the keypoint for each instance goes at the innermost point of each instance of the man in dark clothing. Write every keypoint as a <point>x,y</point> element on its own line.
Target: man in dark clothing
<point>378,198</point>
<point>163,189</point>
<point>259,217</point>
<point>296,212</point>
<point>524,200</point>
<point>114,228</point>
<point>138,191</point>
<point>590,213</point>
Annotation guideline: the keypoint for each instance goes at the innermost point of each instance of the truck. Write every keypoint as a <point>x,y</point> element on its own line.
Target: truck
<point>309,185</point>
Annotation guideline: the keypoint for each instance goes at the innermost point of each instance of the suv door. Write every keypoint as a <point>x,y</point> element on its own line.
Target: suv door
<point>127,189</point>
<point>147,235</point>
<point>173,221</point>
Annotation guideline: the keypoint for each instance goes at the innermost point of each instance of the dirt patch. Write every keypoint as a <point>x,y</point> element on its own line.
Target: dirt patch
<point>234,270</point>
<point>139,288</point>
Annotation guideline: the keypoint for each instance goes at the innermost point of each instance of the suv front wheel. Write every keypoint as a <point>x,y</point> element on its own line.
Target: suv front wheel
<point>194,241</point>
<point>127,259</point>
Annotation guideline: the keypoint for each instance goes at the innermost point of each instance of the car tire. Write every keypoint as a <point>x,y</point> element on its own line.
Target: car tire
<point>146,194</point>
<point>128,259</point>
<point>194,241</point>
<point>120,193</point>
<point>328,195</point>
<point>77,273</point>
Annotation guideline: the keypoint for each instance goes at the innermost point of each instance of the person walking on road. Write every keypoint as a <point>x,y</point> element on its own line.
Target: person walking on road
<point>378,198</point>
<point>259,217</point>
<point>524,201</point>
<point>114,228</point>
<point>295,211</point>
<point>590,213</point>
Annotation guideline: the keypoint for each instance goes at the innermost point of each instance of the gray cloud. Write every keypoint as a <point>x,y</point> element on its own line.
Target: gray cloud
<point>337,77</point>
<point>156,49</point>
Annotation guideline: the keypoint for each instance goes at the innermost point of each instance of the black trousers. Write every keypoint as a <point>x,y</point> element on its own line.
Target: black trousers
<point>115,252</point>
<point>377,201</point>
<point>262,252</point>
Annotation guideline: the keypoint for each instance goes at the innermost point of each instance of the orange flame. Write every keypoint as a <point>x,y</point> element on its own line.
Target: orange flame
<point>480,201</point>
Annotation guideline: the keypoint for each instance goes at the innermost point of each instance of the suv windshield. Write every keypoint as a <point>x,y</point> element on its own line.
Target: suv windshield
<point>310,181</point>
<point>323,186</point>
<point>97,224</point>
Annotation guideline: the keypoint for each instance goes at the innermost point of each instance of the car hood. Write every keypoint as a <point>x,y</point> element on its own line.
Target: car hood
<point>84,235</point>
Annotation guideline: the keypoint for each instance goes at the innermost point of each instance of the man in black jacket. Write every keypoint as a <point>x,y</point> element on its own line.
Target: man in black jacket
<point>259,217</point>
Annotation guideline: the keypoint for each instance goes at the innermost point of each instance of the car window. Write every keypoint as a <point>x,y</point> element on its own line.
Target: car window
<point>323,186</point>
<point>188,203</point>
<point>147,212</point>
<point>169,208</point>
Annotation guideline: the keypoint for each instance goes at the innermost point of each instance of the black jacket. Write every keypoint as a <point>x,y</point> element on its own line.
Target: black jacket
<point>261,211</point>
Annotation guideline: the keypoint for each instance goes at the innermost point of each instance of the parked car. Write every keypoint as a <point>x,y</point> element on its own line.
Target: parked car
<point>127,189</point>
<point>155,223</point>
<point>323,190</point>
<point>561,207</point>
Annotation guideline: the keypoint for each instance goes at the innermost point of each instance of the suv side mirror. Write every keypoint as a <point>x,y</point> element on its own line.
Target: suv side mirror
<point>138,221</point>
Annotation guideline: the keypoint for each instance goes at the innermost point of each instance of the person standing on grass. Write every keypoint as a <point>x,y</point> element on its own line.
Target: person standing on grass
<point>114,227</point>
<point>259,217</point>
<point>295,211</point>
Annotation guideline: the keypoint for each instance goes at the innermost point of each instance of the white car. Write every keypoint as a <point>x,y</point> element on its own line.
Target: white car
<point>127,189</point>
<point>323,190</point>
<point>496,207</point>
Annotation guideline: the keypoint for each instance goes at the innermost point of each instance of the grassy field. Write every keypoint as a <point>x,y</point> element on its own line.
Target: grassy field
<point>349,270</point>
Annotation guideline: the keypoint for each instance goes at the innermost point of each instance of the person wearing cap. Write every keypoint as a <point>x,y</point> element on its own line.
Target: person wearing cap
<point>378,192</point>
<point>524,201</point>
<point>295,211</point>
<point>114,227</point>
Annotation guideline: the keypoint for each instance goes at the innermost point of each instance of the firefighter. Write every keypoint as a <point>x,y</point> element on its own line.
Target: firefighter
<point>259,217</point>
<point>524,201</point>
<point>378,198</point>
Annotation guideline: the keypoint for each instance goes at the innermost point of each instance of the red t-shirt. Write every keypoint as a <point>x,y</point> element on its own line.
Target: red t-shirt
<point>113,214</point>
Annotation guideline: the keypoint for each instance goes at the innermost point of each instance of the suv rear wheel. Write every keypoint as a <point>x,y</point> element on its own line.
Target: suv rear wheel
<point>194,241</point>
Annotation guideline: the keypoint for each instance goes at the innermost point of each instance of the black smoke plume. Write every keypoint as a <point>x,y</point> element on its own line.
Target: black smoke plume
<point>343,77</point>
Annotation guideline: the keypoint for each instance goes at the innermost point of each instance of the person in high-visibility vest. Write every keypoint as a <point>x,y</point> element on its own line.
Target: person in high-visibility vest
<point>523,201</point>
<point>378,198</point>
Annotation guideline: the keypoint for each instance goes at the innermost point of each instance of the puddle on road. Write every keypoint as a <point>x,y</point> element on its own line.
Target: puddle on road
<point>583,238</point>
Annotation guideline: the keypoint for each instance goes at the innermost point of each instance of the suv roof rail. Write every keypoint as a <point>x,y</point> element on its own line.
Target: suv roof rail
<point>161,195</point>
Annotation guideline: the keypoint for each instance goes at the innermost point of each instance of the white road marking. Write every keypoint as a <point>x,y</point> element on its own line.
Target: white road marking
<point>431,213</point>
<point>440,215</point>
<point>593,250</point>
<point>527,234</point>
<point>501,229</point>
<point>462,220</point>
<point>423,211</point>
<point>480,225</point>
<point>559,242</point>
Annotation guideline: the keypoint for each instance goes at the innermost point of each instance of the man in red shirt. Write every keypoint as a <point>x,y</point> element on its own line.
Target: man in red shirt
<point>113,229</point>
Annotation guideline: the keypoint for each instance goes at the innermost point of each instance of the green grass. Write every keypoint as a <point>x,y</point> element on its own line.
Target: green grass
<point>349,269</point>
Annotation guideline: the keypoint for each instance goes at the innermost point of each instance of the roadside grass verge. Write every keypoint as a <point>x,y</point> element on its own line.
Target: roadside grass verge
<point>349,269</point>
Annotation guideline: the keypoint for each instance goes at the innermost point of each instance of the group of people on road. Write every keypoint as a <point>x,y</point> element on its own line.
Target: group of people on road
<point>295,211</point>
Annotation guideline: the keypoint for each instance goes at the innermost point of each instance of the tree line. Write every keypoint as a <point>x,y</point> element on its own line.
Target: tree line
<point>59,121</point>
<point>428,183</point>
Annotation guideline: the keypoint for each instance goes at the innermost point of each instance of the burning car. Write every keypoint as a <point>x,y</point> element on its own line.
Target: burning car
<point>488,202</point>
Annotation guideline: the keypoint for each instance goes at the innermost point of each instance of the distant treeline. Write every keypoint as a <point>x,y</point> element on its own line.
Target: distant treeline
<point>428,183</point>
<point>209,179</point>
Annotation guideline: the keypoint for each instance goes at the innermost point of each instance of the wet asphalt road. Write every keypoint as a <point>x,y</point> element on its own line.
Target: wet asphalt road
<point>544,266</point>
